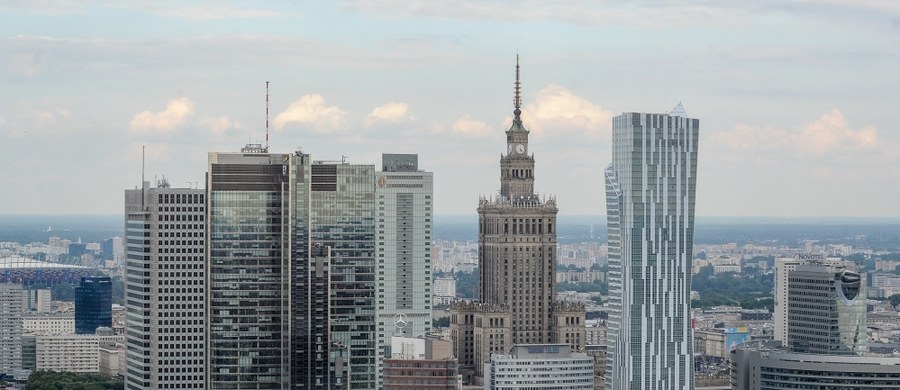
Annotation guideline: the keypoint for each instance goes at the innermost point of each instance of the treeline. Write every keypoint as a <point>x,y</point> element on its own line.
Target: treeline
<point>52,380</point>
<point>750,291</point>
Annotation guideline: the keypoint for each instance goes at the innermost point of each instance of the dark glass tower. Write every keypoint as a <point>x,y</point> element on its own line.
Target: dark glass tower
<point>93,304</point>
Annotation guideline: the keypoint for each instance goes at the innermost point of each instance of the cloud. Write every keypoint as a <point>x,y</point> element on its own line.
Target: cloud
<point>219,125</point>
<point>177,110</point>
<point>829,134</point>
<point>311,110</point>
<point>559,110</point>
<point>38,121</point>
<point>201,11</point>
<point>392,112</point>
<point>471,127</point>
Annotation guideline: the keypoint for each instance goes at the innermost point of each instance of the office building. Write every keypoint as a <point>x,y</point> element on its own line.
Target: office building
<point>517,267</point>
<point>403,196</point>
<point>248,269</point>
<point>37,300</point>
<point>342,218</point>
<point>543,366</point>
<point>783,266</point>
<point>67,353</point>
<point>48,324</point>
<point>291,269</point>
<point>165,282</point>
<point>767,366</point>
<point>827,310</point>
<point>420,362</point>
<point>93,304</point>
<point>11,309</point>
<point>650,188</point>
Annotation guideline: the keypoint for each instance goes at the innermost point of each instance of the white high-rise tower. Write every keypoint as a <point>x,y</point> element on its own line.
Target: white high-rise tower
<point>650,189</point>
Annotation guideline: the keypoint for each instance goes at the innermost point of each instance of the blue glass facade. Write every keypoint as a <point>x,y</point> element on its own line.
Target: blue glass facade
<point>93,304</point>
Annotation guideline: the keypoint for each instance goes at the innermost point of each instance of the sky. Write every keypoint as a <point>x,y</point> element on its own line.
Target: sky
<point>798,101</point>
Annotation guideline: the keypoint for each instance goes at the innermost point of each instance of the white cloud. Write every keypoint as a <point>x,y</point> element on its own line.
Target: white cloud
<point>177,110</point>
<point>219,125</point>
<point>391,112</point>
<point>829,134</point>
<point>311,110</point>
<point>471,127</point>
<point>557,109</point>
<point>39,122</point>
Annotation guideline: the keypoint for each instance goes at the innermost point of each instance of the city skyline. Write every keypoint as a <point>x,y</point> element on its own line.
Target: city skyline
<point>84,90</point>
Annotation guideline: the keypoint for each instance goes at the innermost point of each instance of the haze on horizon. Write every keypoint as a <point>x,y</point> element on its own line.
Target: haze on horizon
<point>797,100</point>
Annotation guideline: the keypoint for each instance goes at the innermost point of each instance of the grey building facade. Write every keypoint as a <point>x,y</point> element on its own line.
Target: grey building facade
<point>827,310</point>
<point>403,200</point>
<point>766,366</point>
<point>11,311</point>
<point>650,194</point>
<point>165,282</point>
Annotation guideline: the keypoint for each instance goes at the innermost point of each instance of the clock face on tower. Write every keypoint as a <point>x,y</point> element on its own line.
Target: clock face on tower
<point>520,148</point>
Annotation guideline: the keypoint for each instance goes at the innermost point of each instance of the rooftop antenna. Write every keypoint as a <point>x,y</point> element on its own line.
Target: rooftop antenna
<point>143,165</point>
<point>517,101</point>
<point>267,115</point>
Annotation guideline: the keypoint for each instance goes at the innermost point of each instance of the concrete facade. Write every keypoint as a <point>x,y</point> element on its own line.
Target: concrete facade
<point>544,366</point>
<point>403,196</point>
<point>165,286</point>
<point>11,312</point>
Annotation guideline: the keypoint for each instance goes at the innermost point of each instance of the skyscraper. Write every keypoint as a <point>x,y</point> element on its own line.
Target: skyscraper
<point>248,268</point>
<point>93,304</point>
<point>11,311</point>
<point>291,268</point>
<point>783,268</point>
<point>166,278</point>
<point>517,265</point>
<point>650,187</point>
<point>403,196</point>
<point>517,240</point>
<point>342,218</point>
<point>827,310</point>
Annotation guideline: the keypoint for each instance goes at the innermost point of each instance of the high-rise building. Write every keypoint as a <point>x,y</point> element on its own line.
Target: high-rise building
<point>517,241</point>
<point>37,300</point>
<point>11,311</point>
<point>827,310</point>
<point>342,218</point>
<point>783,267</point>
<point>650,187</point>
<point>517,267</point>
<point>165,284</point>
<point>291,298</point>
<point>248,267</point>
<point>93,304</point>
<point>403,196</point>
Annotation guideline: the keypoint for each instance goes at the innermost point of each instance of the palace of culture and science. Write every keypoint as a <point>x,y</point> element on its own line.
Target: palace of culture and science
<point>517,260</point>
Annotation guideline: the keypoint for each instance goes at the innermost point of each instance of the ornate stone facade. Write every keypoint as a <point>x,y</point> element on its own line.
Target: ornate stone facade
<point>517,264</point>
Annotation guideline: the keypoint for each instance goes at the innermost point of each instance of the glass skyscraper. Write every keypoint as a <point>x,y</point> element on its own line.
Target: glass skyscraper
<point>650,188</point>
<point>291,246</point>
<point>93,304</point>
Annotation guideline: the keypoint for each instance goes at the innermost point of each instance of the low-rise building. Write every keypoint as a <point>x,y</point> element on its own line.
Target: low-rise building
<point>539,366</point>
<point>765,365</point>
<point>48,324</point>
<point>70,353</point>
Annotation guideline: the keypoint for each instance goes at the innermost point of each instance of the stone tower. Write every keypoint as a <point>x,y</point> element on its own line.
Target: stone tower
<point>517,241</point>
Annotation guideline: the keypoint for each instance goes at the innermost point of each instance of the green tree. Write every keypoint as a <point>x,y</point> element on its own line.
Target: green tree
<point>895,300</point>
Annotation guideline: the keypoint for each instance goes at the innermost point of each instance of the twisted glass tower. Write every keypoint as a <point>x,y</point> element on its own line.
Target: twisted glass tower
<point>650,189</point>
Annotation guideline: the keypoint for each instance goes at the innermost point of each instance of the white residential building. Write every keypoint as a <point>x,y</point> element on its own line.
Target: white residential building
<point>48,324</point>
<point>70,353</point>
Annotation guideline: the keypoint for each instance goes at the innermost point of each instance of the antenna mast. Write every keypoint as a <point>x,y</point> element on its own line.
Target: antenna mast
<point>143,186</point>
<point>267,115</point>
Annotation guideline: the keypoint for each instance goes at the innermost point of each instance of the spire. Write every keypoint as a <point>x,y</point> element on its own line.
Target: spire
<point>517,102</point>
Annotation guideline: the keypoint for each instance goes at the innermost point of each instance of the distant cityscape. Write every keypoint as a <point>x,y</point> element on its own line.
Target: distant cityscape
<point>288,272</point>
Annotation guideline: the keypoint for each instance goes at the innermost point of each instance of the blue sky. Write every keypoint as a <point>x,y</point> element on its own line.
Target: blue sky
<point>798,100</point>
